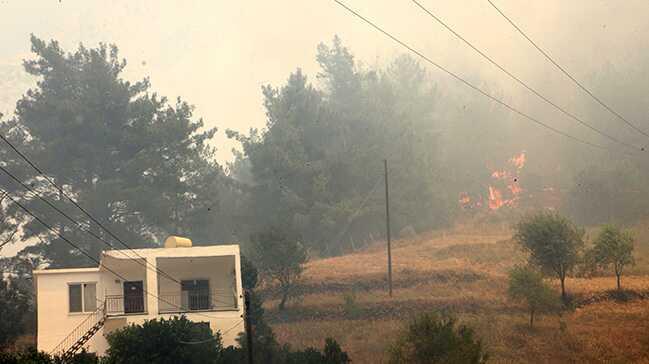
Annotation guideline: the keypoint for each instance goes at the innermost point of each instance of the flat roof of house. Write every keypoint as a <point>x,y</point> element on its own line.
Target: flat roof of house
<point>66,270</point>
<point>194,251</point>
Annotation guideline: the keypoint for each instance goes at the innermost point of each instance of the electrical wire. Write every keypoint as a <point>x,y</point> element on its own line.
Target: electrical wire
<point>567,74</point>
<point>87,255</point>
<point>72,200</point>
<point>522,83</point>
<point>472,86</point>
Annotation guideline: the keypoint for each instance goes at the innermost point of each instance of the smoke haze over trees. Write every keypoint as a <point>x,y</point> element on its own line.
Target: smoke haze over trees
<point>146,164</point>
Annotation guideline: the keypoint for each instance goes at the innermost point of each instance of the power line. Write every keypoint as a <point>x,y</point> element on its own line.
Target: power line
<point>79,225</point>
<point>211,339</point>
<point>563,70</point>
<point>86,254</point>
<point>75,203</point>
<point>472,86</point>
<point>531,89</point>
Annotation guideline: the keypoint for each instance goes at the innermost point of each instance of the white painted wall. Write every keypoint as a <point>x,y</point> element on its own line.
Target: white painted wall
<point>54,322</point>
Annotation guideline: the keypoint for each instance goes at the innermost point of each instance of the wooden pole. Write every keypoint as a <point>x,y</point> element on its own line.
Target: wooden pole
<point>387,224</point>
<point>248,327</point>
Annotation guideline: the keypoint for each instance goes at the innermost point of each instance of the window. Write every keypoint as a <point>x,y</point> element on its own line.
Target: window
<point>82,297</point>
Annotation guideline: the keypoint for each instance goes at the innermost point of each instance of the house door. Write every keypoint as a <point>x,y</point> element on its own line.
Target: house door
<point>133,297</point>
<point>196,294</point>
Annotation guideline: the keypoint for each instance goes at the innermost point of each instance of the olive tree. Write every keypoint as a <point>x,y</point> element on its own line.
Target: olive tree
<point>613,247</point>
<point>281,258</point>
<point>527,285</point>
<point>553,242</point>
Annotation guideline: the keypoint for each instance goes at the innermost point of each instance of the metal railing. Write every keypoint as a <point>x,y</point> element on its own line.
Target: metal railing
<point>125,305</point>
<point>94,318</point>
<point>197,300</point>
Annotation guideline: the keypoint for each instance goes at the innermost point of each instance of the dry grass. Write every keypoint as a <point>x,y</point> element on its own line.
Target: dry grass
<point>463,271</point>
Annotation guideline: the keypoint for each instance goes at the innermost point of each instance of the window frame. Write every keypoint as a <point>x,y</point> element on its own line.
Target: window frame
<point>83,299</point>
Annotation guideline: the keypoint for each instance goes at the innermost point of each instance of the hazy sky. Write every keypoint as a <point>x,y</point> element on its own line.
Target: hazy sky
<point>217,54</point>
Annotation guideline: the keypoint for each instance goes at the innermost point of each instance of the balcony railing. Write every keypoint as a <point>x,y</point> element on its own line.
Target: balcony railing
<point>197,300</point>
<point>125,305</point>
<point>174,302</point>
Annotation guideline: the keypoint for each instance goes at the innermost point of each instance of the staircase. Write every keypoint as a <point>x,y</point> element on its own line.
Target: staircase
<point>82,333</point>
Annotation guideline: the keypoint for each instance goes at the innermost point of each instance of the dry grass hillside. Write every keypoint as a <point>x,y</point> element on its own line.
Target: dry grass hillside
<point>463,271</point>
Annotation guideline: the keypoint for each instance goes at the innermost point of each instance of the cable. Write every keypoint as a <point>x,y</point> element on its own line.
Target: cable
<point>80,226</point>
<point>574,80</point>
<point>75,203</point>
<point>86,254</point>
<point>472,86</point>
<point>211,339</point>
<point>562,110</point>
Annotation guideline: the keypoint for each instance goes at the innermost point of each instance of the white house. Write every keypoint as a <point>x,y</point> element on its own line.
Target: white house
<point>78,307</point>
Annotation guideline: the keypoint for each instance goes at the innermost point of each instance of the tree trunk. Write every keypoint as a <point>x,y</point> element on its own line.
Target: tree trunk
<point>563,289</point>
<point>531,319</point>
<point>282,303</point>
<point>618,281</point>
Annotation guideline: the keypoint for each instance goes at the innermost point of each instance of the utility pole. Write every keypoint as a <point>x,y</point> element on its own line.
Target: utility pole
<point>387,224</point>
<point>248,327</point>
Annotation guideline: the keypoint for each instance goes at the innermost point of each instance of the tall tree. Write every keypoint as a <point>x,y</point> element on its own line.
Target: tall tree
<point>138,163</point>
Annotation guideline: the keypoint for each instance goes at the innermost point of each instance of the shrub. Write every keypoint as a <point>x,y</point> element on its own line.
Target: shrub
<point>32,356</point>
<point>527,285</point>
<point>176,340</point>
<point>350,306</point>
<point>429,338</point>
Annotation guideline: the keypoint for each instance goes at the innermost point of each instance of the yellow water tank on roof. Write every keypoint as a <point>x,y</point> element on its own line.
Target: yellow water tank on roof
<point>177,242</point>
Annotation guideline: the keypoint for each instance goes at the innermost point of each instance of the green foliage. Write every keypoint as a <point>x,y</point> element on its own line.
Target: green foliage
<point>281,258</point>
<point>430,338</point>
<point>14,308</point>
<point>613,248</point>
<point>553,242</point>
<point>350,305</point>
<point>176,340</point>
<point>32,356</point>
<point>136,161</point>
<point>321,152</point>
<point>527,285</point>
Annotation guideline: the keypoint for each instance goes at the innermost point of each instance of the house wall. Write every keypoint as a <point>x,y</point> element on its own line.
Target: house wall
<point>54,322</point>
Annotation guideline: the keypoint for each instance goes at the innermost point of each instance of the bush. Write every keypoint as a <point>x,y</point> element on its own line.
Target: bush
<point>32,356</point>
<point>176,340</point>
<point>430,338</point>
<point>351,307</point>
<point>526,284</point>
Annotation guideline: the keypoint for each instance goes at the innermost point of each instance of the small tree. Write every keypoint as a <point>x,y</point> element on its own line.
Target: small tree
<point>14,304</point>
<point>526,284</point>
<point>613,247</point>
<point>281,258</point>
<point>176,340</point>
<point>430,338</point>
<point>553,243</point>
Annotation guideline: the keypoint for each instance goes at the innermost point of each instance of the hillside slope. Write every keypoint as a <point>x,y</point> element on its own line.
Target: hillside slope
<point>462,271</point>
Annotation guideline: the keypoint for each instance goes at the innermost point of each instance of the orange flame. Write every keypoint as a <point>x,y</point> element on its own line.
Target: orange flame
<point>518,160</point>
<point>495,198</point>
